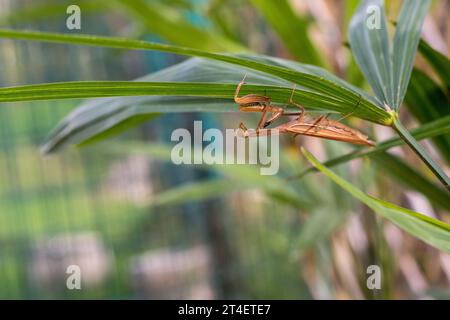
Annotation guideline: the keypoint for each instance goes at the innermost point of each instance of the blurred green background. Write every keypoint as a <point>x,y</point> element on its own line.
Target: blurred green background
<point>90,206</point>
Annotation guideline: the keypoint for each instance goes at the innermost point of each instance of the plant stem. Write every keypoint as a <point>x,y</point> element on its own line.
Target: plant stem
<point>420,151</point>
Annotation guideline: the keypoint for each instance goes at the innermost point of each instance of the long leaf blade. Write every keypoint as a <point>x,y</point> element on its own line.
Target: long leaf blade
<point>412,179</point>
<point>440,63</point>
<point>434,232</point>
<point>422,153</point>
<point>369,41</point>
<point>429,130</point>
<point>100,114</point>
<point>312,82</point>
<point>406,40</point>
<point>427,102</point>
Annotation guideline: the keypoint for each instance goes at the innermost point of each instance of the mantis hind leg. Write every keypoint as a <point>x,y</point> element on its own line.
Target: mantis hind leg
<point>243,130</point>
<point>256,133</point>
<point>281,112</point>
<point>275,115</point>
<point>278,114</point>
<point>262,120</point>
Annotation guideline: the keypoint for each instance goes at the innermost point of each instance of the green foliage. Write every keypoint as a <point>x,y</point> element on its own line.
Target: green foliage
<point>164,20</point>
<point>389,71</point>
<point>440,63</point>
<point>420,151</point>
<point>207,83</point>
<point>203,83</point>
<point>370,47</point>
<point>291,28</point>
<point>45,10</point>
<point>312,79</point>
<point>432,231</point>
<point>428,130</point>
<point>427,102</point>
<point>406,40</point>
<point>410,178</point>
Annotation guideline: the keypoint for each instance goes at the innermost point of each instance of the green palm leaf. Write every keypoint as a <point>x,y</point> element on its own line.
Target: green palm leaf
<point>428,130</point>
<point>406,40</point>
<point>206,86</point>
<point>311,78</point>
<point>428,102</point>
<point>440,63</point>
<point>389,71</point>
<point>370,46</point>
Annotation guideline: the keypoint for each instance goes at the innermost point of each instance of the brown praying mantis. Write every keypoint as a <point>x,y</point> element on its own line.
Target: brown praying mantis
<point>258,103</point>
<point>320,127</point>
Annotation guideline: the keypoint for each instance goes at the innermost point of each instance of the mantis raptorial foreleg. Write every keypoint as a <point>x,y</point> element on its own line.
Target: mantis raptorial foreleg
<point>259,103</point>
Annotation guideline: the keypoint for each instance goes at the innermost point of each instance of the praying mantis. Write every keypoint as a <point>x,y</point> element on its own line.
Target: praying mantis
<point>320,127</point>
